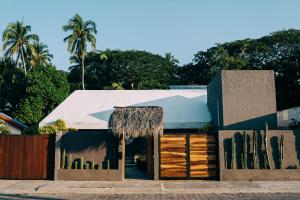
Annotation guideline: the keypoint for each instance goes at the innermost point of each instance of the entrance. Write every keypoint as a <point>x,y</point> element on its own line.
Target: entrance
<point>138,158</point>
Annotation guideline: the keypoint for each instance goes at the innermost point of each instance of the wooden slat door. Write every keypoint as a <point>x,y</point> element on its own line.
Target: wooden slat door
<point>188,155</point>
<point>173,155</point>
<point>202,156</point>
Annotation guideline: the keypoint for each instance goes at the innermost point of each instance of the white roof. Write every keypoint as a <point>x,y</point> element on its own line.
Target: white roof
<point>91,109</point>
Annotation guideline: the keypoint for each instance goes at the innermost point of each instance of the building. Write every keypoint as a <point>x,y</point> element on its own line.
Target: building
<point>14,126</point>
<point>165,132</point>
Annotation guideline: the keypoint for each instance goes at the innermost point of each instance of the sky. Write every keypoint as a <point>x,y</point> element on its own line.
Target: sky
<point>181,27</point>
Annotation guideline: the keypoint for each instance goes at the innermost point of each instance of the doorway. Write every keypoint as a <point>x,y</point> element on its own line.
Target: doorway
<point>139,158</point>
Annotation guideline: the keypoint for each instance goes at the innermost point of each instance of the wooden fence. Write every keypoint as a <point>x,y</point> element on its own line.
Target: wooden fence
<point>188,156</point>
<point>27,157</point>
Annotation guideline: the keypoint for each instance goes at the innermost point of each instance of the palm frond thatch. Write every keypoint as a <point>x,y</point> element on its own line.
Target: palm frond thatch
<point>137,121</point>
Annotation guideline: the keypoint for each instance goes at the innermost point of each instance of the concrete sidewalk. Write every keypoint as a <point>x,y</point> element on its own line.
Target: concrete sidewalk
<point>145,187</point>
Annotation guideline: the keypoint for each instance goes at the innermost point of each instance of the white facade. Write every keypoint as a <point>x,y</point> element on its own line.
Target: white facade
<point>91,109</point>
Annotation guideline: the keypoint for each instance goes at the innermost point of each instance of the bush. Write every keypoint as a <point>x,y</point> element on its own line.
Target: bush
<point>57,126</point>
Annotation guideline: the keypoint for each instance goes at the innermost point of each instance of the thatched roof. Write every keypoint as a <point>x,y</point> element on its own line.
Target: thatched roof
<point>137,121</point>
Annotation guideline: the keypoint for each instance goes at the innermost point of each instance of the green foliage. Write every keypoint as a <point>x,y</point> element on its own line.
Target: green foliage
<point>17,41</point>
<point>46,87</point>
<point>131,69</point>
<point>208,128</point>
<point>117,86</point>
<point>58,126</point>
<point>279,51</point>
<point>82,33</point>
<point>39,54</point>
<point>12,86</point>
<point>3,127</point>
<point>281,151</point>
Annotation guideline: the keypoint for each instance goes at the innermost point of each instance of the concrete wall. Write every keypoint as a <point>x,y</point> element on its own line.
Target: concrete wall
<point>99,146</point>
<point>214,92</point>
<point>247,97</point>
<point>284,117</point>
<point>291,156</point>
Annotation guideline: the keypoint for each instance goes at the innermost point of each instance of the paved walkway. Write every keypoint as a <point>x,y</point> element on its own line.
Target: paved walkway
<point>8,187</point>
<point>247,196</point>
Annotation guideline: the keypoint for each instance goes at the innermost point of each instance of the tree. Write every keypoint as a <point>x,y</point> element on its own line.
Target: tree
<point>279,51</point>
<point>16,41</point>
<point>3,127</point>
<point>12,86</point>
<point>171,58</point>
<point>82,33</point>
<point>132,69</point>
<point>46,87</point>
<point>39,54</point>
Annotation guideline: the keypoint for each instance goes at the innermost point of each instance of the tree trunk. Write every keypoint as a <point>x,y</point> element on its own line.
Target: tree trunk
<point>82,72</point>
<point>23,61</point>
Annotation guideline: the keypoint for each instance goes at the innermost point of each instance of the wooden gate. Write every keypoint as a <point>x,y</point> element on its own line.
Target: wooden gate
<point>27,157</point>
<point>188,156</point>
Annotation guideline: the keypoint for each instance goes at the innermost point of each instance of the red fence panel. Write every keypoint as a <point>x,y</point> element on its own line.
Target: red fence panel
<point>27,156</point>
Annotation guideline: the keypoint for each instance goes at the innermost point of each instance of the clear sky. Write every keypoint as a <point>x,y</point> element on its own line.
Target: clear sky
<point>181,27</point>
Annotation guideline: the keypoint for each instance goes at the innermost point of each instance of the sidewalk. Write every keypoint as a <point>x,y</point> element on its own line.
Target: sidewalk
<point>145,187</point>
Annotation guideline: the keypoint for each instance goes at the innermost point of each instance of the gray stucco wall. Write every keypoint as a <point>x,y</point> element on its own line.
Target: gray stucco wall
<point>247,97</point>
<point>291,156</point>
<point>214,91</point>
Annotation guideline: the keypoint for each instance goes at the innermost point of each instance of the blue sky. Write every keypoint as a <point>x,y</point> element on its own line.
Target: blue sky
<point>181,27</point>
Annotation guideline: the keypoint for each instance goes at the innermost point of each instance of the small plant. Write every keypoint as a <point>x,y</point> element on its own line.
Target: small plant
<point>233,154</point>
<point>108,165</point>
<point>63,159</point>
<point>81,162</point>
<point>266,154</point>
<point>3,127</point>
<point>225,159</point>
<point>281,151</point>
<point>245,151</point>
<point>255,156</point>
<point>93,164</point>
<point>70,161</point>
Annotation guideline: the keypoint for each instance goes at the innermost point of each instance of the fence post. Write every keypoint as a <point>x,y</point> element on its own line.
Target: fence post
<point>57,154</point>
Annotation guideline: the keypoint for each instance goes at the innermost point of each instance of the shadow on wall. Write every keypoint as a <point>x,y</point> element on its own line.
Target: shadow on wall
<point>97,146</point>
<point>173,106</point>
<point>297,143</point>
<point>291,154</point>
<point>257,123</point>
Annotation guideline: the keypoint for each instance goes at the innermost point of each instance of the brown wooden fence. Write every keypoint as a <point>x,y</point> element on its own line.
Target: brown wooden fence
<point>188,156</point>
<point>27,157</point>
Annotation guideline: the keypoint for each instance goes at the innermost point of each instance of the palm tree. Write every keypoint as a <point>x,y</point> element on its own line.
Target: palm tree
<point>171,58</point>
<point>16,41</point>
<point>39,54</point>
<point>82,33</point>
